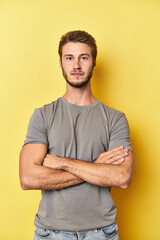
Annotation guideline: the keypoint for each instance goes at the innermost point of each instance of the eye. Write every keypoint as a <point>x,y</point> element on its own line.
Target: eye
<point>83,58</point>
<point>69,58</point>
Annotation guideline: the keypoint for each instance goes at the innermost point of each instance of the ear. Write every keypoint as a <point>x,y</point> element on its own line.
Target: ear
<point>60,63</point>
<point>94,63</point>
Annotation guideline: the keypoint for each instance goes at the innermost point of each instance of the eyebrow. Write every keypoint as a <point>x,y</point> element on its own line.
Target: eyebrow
<point>71,55</point>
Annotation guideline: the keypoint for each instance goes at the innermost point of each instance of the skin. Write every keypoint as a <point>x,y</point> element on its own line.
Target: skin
<point>103,172</point>
<point>77,69</point>
<point>71,62</point>
<point>39,170</point>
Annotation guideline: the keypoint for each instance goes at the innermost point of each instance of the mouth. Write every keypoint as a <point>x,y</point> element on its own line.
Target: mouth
<point>77,74</point>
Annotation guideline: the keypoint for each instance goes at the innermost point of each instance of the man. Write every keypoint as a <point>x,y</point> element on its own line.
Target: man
<point>76,149</point>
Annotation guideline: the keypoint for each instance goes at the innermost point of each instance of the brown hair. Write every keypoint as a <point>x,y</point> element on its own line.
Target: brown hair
<point>78,36</point>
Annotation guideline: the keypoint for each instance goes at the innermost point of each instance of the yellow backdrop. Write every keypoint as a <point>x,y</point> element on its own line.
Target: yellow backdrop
<point>127,78</point>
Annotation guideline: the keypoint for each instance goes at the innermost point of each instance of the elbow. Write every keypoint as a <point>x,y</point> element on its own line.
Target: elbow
<point>25,183</point>
<point>24,187</point>
<point>125,182</point>
<point>125,185</point>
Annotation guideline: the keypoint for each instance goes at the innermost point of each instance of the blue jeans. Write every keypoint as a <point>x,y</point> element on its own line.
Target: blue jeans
<point>109,232</point>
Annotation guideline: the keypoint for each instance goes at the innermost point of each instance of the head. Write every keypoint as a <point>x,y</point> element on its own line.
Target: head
<point>78,36</point>
<point>78,52</point>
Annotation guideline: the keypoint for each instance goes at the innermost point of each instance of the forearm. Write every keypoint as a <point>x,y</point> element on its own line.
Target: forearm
<point>101,174</point>
<point>35,176</point>
<point>44,178</point>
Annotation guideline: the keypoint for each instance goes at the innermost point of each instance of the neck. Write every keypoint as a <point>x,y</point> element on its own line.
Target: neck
<point>79,96</point>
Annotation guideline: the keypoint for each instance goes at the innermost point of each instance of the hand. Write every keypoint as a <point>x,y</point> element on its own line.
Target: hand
<point>52,161</point>
<point>114,156</point>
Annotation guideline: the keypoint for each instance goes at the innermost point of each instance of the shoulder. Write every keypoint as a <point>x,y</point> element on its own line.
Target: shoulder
<point>112,113</point>
<point>45,113</point>
<point>116,119</point>
<point>47,109</point>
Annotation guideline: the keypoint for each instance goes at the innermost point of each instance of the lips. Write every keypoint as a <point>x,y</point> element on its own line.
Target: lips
<point>77,74</point>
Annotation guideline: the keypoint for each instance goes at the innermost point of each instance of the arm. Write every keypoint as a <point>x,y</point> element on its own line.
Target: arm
<point>35,176</point>
<point>101,172</point>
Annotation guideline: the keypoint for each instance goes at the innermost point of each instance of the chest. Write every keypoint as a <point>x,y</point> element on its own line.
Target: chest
<point>78,134</point>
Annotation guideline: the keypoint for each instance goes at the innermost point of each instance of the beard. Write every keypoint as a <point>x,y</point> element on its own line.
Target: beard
<point>78,84</point>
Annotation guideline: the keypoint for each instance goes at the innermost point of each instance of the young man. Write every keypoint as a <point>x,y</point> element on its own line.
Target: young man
<point>76,149</point>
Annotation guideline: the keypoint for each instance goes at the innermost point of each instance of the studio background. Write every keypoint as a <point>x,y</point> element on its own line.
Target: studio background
<point>127,77</point>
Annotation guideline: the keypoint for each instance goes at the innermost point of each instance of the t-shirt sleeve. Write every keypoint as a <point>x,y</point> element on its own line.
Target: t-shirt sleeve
<point>119,132</point>
<point>36,132</point>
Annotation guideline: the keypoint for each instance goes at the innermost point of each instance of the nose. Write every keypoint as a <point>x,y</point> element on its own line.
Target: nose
<point>76,64</point>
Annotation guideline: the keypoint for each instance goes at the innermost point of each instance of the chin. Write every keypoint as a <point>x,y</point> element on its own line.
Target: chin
<point>78,84</point>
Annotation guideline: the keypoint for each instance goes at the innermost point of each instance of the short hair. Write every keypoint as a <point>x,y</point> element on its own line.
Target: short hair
<point>78,36</point>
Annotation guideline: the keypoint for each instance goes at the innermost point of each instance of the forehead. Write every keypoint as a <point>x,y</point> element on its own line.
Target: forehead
<point>76,48</point>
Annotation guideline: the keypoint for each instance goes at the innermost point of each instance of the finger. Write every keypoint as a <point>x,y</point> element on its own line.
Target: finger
<point>116,157</point>
<point>112,155</point>
<point>122,152</point>
<point>119,156</point>
<point>112,158</point>
<point>120,148</point>
<point>119,161</point>
<point>115,149</point>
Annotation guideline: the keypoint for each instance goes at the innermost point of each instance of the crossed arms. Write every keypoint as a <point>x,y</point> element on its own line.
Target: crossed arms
<point>39,170</point>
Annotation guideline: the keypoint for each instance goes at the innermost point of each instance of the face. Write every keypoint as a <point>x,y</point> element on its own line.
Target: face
<point>77,64</point>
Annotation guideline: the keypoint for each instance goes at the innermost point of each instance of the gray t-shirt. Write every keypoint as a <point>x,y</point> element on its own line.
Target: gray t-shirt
<point>78,132</point>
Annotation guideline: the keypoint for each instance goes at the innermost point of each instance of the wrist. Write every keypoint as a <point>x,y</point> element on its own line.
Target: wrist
<point>64,163</point>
